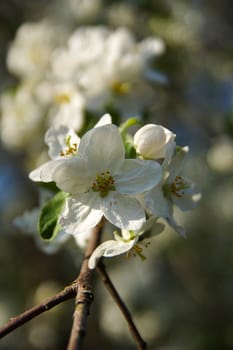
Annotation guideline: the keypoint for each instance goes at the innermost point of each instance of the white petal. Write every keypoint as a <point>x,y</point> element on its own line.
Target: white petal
<point>82,238</point>
<point>123,211</point>
<point>71,176</point>
<point>109,249</point>
<point>138,176</point>
<point>189,198</point>
<point>46,171</point>
<point>157,204</point>
<point>169,152</point>
<point>81,214</point>
<point>177,163</point>
<point>104,120</point>
<point>179,229</point>
<point>103,148</point>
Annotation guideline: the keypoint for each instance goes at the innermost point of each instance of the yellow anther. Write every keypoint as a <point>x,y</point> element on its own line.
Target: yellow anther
<point>71,148</point>
<point>176,188</point>
<point>104,183</point>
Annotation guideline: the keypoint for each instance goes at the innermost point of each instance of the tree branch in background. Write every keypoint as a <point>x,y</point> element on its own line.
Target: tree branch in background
<point>141,344</point>
<point>67,293</point>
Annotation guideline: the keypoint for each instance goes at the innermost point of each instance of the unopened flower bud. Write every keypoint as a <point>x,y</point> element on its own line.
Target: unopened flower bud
<point>151,141</point>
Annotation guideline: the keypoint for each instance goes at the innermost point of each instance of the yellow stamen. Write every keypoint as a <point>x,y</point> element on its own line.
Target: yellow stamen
<point>62,98</point>
<point>103,183</point>
<point>121,88</point>
<point>71,147</point>
<point>176,188</point>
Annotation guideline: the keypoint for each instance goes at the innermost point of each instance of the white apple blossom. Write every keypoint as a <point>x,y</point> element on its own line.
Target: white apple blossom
<point>20,117</point>
<point>124,243</point>
<point>63,142</point>
<point>101,182</point>
<point>64,102</point>
<point>173,189</point>
<point>30,52</point>
<point>110,67</point>
<point>152,141</point>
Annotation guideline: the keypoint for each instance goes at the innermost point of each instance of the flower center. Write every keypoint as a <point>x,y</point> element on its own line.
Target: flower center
<point>103,183</point>
<point>71,148</point>
<point>177,187</point>
<point>121,88</point>
<point>62,98</point>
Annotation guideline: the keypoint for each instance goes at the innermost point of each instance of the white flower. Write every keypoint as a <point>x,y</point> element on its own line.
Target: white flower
<point>151,141</point>
<point>65,103</point>
<point>101,181</point>
<point>30,52</point>
<point>109,67</point>
<point>21,117</point>
<point>63,143</point>
<point>124,243</point>
<point>173,189</point>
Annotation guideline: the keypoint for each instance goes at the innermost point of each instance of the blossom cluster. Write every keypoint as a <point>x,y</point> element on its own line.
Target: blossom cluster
<point>103,181</point>
<point>99,171</point>
<point>66,75</point>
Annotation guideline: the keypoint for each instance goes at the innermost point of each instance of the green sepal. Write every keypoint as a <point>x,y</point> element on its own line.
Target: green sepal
<point>48,225</point>
<point>130,151</point>
<point>127,124</point>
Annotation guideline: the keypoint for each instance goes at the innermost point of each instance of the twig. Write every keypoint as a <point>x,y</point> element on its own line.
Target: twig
<point>67,293</point>
<point>141,344</point>
<point>84,296</point>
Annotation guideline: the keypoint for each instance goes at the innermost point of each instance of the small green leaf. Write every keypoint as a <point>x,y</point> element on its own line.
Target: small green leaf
<point>48,226</point>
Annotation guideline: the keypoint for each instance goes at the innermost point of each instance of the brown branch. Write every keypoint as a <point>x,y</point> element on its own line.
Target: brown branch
<point>141,344</point>
<point>67,293</point>
<point>84,296</point>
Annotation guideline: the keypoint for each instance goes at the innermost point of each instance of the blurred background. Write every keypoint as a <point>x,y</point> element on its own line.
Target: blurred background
<point>181,296</point>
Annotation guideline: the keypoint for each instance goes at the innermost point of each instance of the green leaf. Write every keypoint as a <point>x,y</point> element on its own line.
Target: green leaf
<point>48,226</point>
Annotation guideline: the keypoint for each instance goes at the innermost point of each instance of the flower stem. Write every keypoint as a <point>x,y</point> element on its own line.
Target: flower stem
<point>141,344</point>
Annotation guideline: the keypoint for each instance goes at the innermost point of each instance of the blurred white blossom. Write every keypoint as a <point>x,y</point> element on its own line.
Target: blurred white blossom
<point>29,53</point>
<point>20,117</point>
<point>109,67</point>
